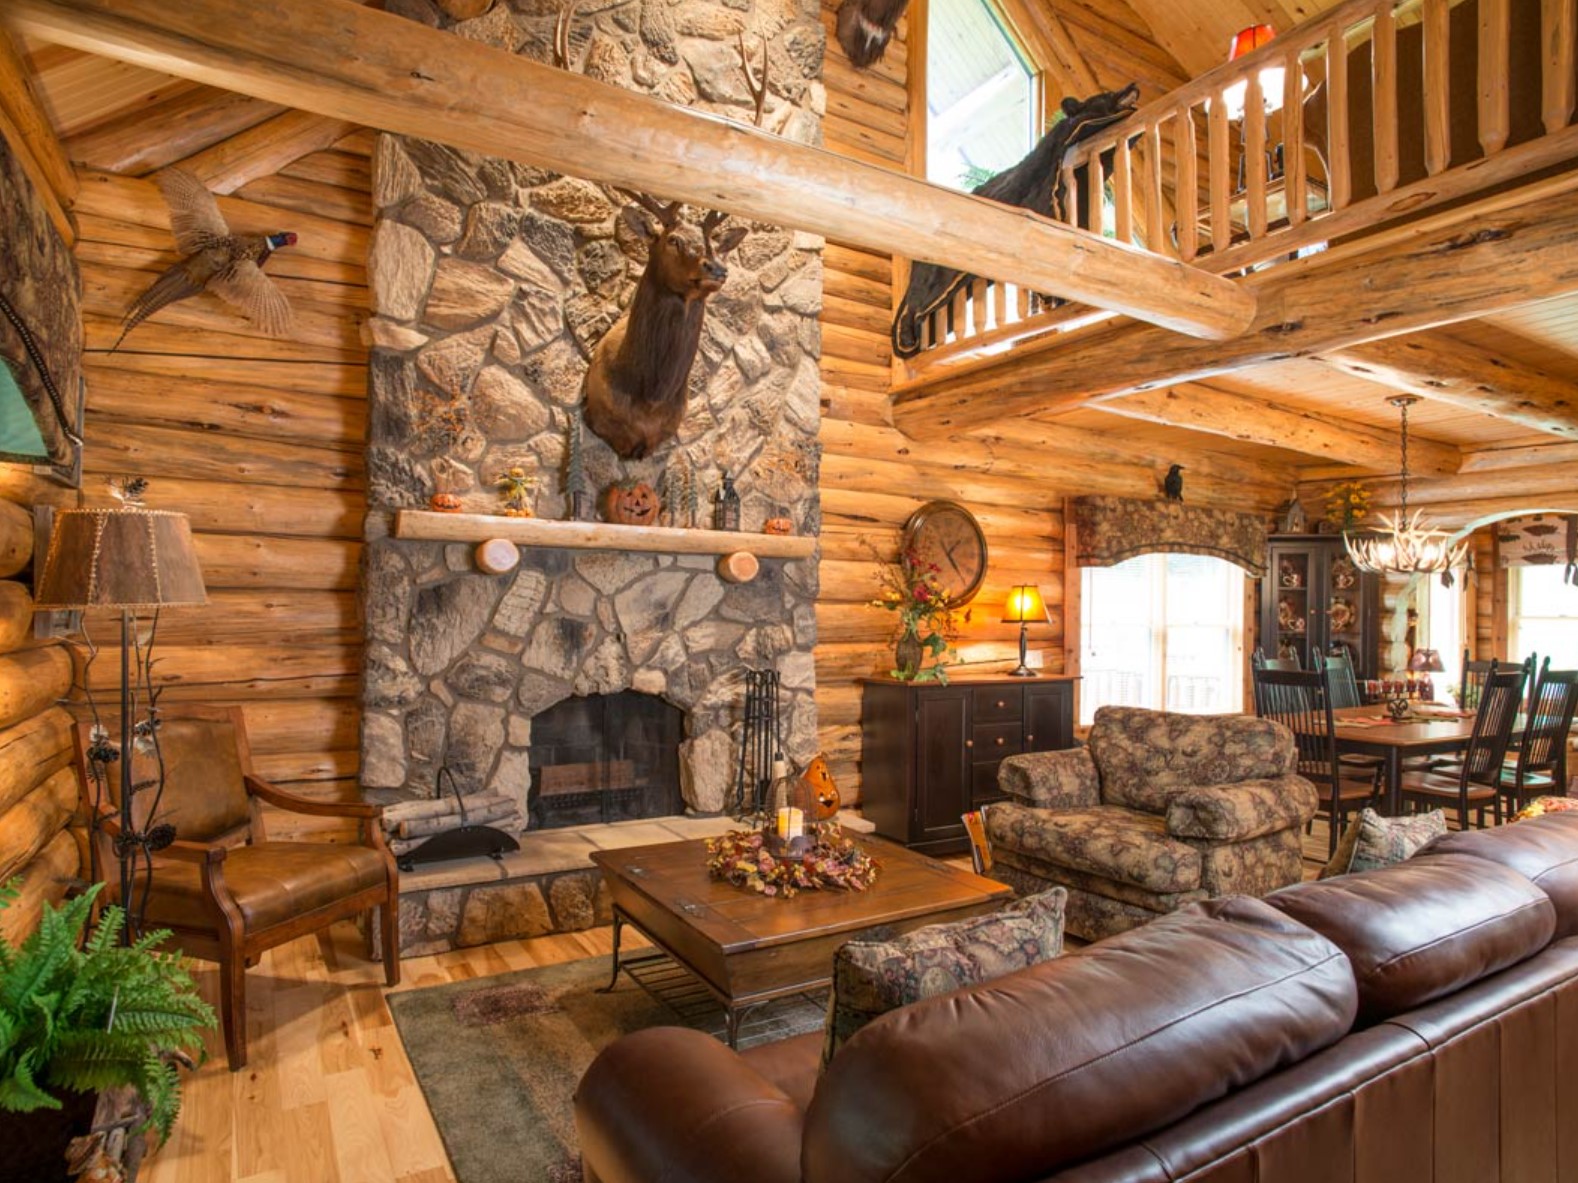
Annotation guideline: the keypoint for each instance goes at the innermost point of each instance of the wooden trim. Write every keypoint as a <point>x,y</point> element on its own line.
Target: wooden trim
<point>23,106</point>
<point>342,60</point>
<point>479,527</point>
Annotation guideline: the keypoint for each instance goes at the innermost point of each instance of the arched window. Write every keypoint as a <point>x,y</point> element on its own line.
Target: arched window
<point>981,100</point>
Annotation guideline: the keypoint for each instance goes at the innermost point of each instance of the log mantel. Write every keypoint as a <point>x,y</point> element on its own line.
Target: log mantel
<point>427,526</point>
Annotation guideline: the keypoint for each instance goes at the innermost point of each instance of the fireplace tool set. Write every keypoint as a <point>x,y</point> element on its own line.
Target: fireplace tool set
<point>759,745</point>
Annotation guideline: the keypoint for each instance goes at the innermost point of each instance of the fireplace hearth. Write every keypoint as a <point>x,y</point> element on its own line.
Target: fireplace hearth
<point>600,758</point>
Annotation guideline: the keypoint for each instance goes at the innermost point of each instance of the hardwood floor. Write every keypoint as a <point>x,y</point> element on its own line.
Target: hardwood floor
<point>329,1096</point>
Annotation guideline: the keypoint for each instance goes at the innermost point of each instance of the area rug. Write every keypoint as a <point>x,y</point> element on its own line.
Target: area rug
<point>499,1058</point>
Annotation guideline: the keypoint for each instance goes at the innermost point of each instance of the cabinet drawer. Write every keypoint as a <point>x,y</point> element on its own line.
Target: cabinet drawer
<point>993,741</point>
<point>992,704</point>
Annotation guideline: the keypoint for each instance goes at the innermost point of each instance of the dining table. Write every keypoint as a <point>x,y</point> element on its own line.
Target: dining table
<point>1427,730</point>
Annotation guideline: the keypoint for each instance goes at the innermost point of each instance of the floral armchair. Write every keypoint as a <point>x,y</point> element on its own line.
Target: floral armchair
<point>1157,811</point>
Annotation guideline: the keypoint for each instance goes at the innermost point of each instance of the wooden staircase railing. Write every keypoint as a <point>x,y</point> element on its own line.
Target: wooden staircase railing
<point>1182,178</point>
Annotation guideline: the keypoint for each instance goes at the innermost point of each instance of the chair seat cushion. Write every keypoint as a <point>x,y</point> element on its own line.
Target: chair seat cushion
<point>1108,840</point>
<point>272,882</point>
<point>1443,786</point>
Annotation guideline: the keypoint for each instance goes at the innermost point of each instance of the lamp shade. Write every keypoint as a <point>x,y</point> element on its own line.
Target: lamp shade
<point>129,557</point>
<point>1246,41</point>
<point>1025,605</point>
<point>1426,661</point>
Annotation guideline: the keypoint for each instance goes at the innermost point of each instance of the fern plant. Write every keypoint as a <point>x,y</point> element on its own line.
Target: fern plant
<point>92,1015</point>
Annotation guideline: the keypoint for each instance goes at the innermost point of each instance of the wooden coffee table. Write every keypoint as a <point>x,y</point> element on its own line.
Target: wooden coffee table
<point>747,948</point>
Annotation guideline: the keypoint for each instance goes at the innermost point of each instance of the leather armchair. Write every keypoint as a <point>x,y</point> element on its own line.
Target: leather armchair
<point>223,889</point>
<point>1158,811</point>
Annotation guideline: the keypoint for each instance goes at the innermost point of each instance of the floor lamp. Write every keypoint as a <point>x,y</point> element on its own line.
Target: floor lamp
<point>1024,606</point>
<point>135,559</point>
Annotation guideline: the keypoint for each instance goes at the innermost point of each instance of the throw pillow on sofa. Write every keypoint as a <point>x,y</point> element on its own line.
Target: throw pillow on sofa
<point>871,978</point>
<point>1375,841</point>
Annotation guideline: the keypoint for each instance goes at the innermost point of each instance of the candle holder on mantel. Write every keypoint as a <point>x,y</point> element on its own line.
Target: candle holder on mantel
<point>789,830</point>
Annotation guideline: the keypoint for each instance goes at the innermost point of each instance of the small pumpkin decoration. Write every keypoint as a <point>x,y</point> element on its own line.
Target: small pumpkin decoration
<point>444,503</point>
<point>824,790</point>
<point>631,503</point>
<point>779,525</point>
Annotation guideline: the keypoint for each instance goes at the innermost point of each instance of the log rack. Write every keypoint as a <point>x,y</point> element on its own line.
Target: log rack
<point>734,547</point>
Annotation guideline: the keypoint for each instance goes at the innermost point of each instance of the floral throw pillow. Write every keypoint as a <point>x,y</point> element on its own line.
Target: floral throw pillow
<point>1375,841</point>
<point>871,978</point>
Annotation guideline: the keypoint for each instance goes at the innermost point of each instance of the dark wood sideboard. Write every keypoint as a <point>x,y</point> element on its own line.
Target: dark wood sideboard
<point>929,753</point>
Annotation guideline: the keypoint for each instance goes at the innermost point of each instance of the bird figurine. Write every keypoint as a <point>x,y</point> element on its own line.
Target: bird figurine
<point>128,490</point>
<point>1173,484</point>
<point>213,260</point>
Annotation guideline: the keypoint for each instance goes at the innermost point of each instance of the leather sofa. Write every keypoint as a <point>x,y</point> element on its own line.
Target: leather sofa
<point>1413,1024</point>
<point>1158,810</point>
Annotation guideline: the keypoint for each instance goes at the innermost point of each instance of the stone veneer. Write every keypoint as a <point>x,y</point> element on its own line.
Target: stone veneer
<point>492,282</point>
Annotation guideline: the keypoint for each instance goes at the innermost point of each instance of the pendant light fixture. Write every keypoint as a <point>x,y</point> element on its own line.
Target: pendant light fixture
<point>1406,545</point>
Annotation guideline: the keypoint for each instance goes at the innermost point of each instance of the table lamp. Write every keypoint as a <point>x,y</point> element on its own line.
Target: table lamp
<point>1024,605</point>
<point>1426,662</point>
<point>135,559</point>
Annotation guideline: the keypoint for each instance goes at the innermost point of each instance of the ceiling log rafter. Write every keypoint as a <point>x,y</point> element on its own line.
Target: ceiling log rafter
<point>339,60</point>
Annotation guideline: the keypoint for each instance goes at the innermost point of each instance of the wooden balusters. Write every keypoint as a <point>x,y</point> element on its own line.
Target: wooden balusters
<point>1122,192</point>
<point>1095,192</point>
<point>1495,25</point>
<point>1218,150</point>
<point>1000,303</point>
<point>1558,30</point>
<point>958,313</point>
<point>1383,57</point>
<point>1295,176</point>
<point>1255,156</point>
<point>1187,192</point>
<point>1337,163</point>
<point>1438,136</point>
<point>1155,223</point>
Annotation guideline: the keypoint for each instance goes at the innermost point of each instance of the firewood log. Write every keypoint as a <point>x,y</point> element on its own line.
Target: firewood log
<point>422,827</point>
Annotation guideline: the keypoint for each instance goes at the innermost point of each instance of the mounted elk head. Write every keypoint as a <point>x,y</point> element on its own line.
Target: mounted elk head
<point>636,388</point>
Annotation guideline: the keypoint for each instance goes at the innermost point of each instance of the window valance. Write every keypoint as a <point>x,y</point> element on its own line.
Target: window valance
<point>1538,540</point>
<point>1108,530</point>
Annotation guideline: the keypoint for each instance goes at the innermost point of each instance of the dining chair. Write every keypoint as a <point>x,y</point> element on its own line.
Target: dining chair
<point>223,888</point>
<point>1341,678</point>
<point>1301,701</point>
<point>1476,782</point>
<point>1540,763</point>
<point>1261,662</point>
<point>1472,681</point>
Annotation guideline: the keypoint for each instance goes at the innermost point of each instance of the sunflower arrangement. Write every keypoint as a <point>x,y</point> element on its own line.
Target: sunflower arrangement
<point>1347,505</point>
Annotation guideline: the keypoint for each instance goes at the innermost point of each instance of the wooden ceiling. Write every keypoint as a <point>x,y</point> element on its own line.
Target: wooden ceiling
<point>117,118</point>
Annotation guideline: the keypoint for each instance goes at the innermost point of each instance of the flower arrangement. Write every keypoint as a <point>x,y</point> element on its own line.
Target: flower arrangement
<point>1347,504</point>
<point>912,590</point>
<point>740,857</point>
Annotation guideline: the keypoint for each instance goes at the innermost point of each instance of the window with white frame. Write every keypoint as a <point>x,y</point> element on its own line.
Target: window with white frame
<point>981,98</point>
<point>1445,629</point>
<point>1162,631</point>
<point>1542,615</point>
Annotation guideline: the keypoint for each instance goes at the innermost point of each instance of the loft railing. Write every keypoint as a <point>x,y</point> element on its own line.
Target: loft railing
<point>1387,107</point>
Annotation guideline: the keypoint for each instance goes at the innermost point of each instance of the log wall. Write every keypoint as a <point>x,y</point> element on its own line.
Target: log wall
<point>258,440</point>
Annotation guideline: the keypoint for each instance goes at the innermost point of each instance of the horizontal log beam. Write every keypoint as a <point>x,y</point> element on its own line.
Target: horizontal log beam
<point>338,59</point>
<point>1196,407</point>
<point>1455,266</point>
<point>1439,366</point>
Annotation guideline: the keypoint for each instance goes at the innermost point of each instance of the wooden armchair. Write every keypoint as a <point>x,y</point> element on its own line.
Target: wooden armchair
<point>222,888</point>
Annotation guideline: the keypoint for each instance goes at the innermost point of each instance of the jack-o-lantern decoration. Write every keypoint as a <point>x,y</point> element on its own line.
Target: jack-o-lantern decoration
<point>778,525</point>
<point>824,791</point>
<point>444,503</point>
<point>631,503</point>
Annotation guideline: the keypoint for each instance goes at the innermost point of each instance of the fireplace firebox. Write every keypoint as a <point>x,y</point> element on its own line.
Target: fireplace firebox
<point>605,758</point>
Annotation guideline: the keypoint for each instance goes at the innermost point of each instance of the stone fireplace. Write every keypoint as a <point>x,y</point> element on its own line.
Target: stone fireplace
<point>491,284</point>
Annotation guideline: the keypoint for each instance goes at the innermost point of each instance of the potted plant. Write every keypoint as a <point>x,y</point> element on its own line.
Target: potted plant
<point>80,1017</point>
<point>911,589</point>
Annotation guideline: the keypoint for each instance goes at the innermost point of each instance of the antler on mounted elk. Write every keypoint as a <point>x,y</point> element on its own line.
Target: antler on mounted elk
<point>637,386</point>
<point>1032,184</point>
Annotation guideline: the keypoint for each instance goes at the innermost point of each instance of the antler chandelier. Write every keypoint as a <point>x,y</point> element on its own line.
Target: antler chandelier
<point>1406,545</point>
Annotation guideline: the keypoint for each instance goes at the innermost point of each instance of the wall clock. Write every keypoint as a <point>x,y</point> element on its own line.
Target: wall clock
<point>947,534</point>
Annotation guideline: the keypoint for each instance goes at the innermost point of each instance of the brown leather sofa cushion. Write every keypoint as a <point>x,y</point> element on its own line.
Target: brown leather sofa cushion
<point>1012,1079</point>
<point>1544,849</point>
<point>1424,928</point>
<point>272,882</point>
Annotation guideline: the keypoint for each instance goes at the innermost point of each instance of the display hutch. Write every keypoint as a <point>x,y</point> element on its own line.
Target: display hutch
<point>1315,600</point>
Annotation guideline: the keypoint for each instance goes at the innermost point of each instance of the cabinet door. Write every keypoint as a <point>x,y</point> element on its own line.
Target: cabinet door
<point>1291,616</point>
<point>942,763</point>
<point>1049,717</point>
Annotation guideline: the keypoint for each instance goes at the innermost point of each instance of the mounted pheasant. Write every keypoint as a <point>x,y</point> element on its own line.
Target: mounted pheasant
<point>637,387</point>
<point>213,260</point>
